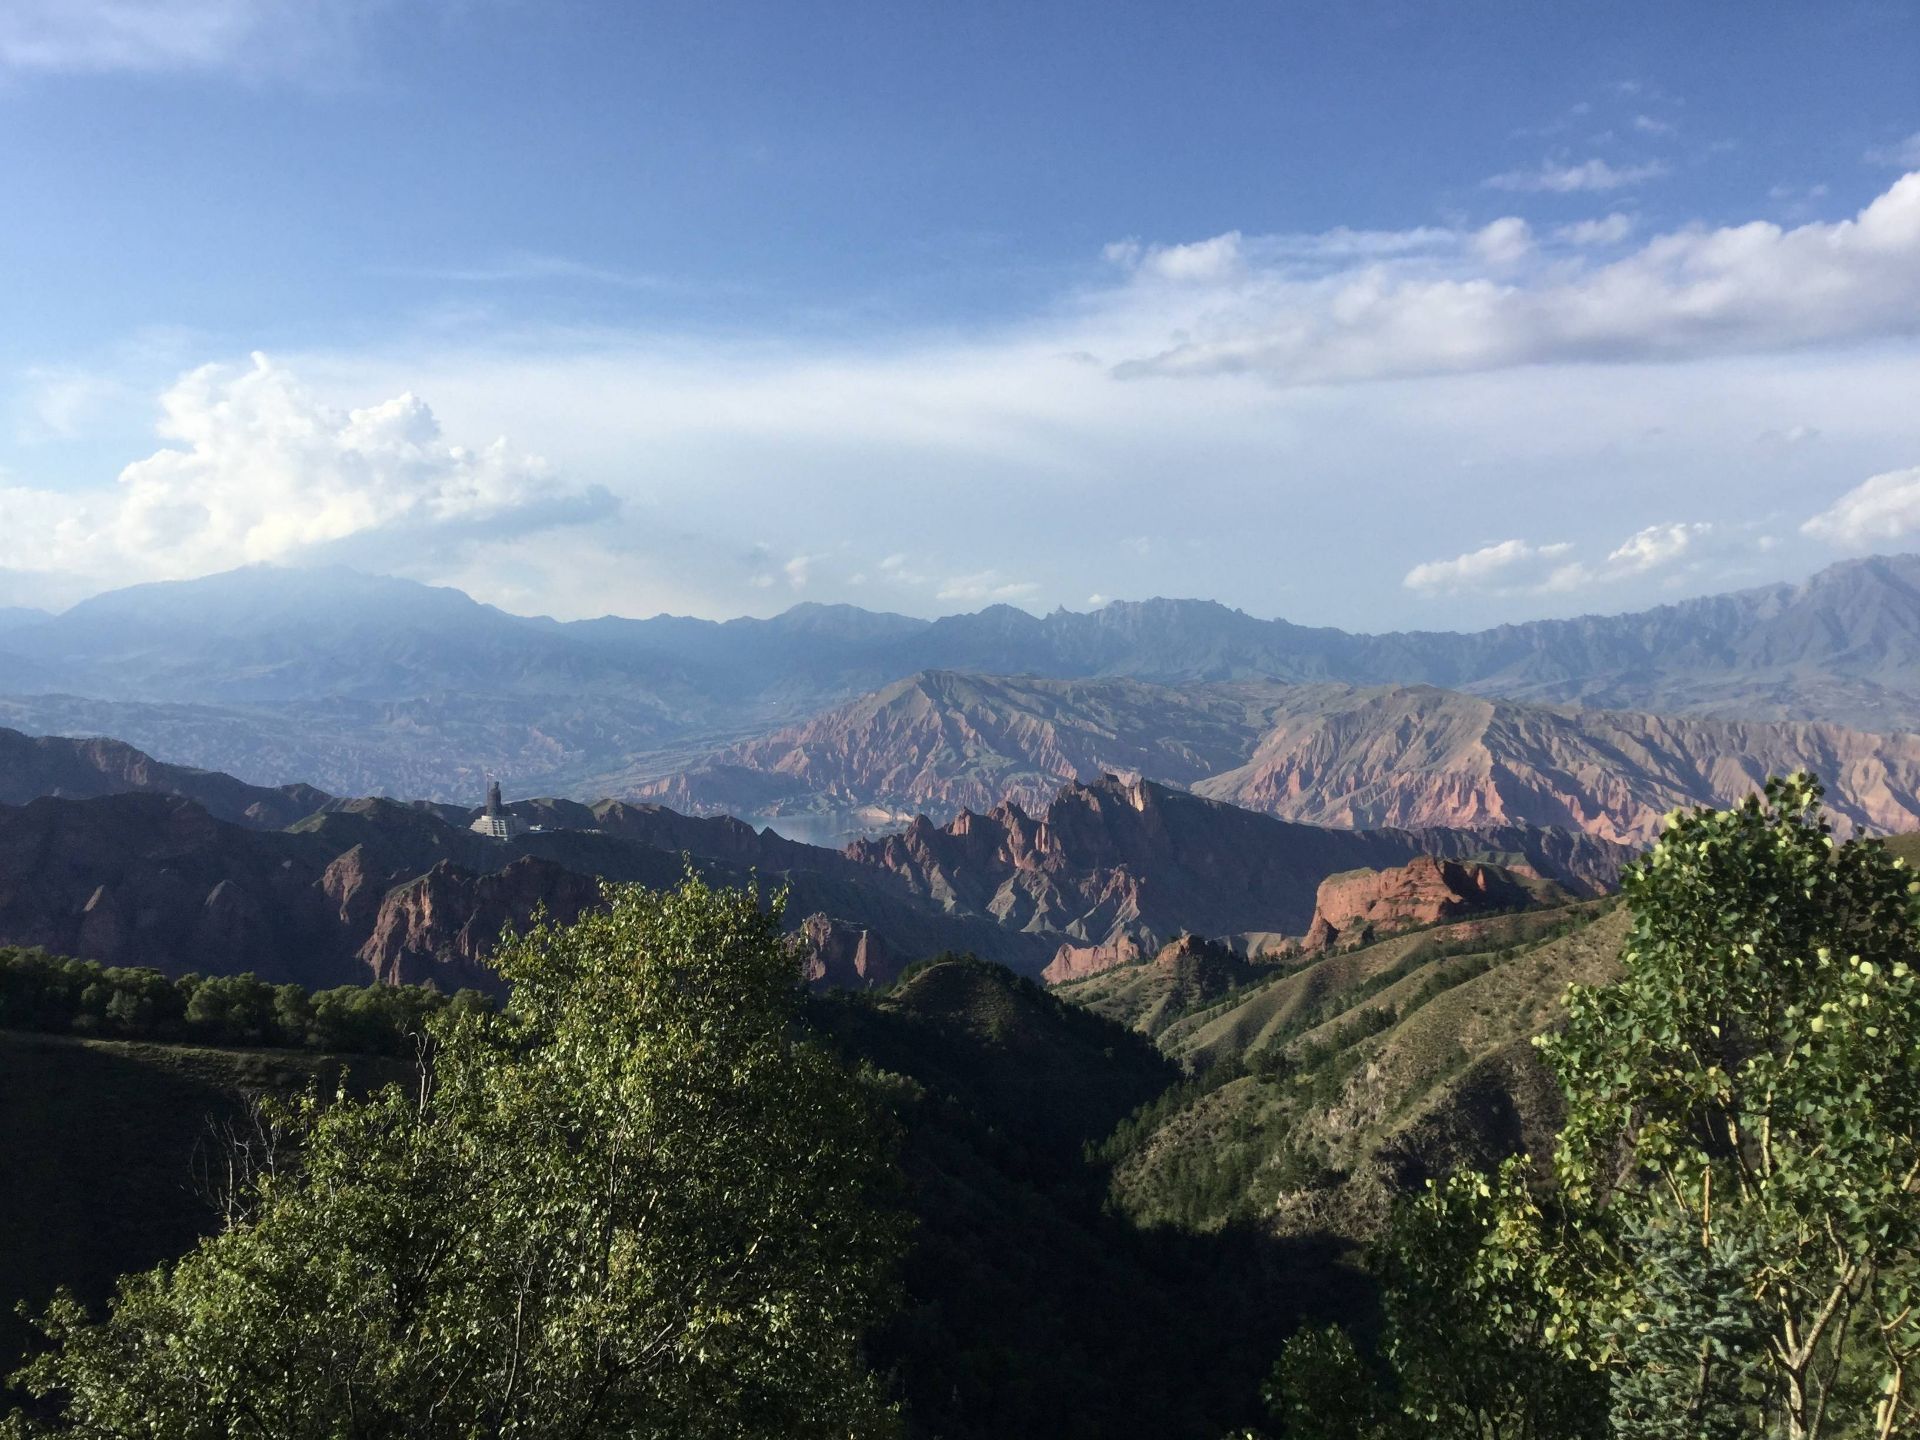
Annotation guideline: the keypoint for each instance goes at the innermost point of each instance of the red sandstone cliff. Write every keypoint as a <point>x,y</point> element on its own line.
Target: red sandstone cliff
<point>1425,891</point>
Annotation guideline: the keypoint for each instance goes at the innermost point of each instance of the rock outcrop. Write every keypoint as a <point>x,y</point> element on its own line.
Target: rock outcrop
<point>838,955</point>
<point>440,927</point>
<point>1076,962</point>
<point>1371,904</point>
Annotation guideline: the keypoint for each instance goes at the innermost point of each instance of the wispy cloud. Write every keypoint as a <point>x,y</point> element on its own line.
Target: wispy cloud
<point>1902,154</point>
<point>1516,567</point>
<point>1503,565</point>
<point>1569,178</point>
<point>97,36</point>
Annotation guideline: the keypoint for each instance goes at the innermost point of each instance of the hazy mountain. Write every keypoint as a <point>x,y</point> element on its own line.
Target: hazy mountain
<point>1325,754</point>
<point>942,741</point>
<point>80,769</point>
<point>361,683</point>
<point>1421,756</point>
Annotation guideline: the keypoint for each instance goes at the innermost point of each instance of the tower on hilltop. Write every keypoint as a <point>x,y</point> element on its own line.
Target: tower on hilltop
<point>496,822</point>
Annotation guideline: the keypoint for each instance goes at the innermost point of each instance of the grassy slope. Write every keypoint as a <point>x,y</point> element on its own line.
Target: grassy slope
<point>1150,994</point>
<point>1430,1071</point>
<point>97,1143</point>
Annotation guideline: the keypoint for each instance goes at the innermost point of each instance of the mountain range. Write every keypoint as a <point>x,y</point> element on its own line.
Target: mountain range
<point>112,856</point>
<point>1326,754</point>
<point>365,684</point>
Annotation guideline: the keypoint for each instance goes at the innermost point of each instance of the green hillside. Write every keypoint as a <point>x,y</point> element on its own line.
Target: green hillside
<point>1324,1092</point>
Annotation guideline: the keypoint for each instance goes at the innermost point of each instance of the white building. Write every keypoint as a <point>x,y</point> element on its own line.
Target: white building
<point>496,822</point>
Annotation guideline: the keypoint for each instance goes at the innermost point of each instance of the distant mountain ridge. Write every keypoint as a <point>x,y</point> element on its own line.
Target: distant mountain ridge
<point>363,683</point>
<point>1327,754</point>
<point>119,860</point>
<point>33,766</point>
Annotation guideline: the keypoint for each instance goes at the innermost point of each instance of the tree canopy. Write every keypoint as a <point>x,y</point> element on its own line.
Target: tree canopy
<point>1733,1247</point>
<point>636,1202</point>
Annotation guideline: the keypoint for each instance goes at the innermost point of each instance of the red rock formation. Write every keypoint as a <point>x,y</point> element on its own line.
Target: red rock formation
<point>1425,891</point>
<point>841,955</point>
<point>440,927</point>
<point>1136,862</point>
<point>1076,962</point>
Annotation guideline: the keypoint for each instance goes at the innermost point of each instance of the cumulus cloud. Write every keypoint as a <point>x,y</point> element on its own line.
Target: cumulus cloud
<point>1569,179</point>
<point>1504,241</point>
<point>260,470</point>
<point>1879,509</point>
<point>1655,547</point>
<point>1203,261</point>
<point>1515,567</point>
<point>1690,292</point>
<point>1504,565</point>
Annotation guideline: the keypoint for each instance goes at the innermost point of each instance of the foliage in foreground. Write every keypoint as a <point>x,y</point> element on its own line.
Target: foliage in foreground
<point>53,994</point>
<point>1734,1245</point>
<point>633,1203</point>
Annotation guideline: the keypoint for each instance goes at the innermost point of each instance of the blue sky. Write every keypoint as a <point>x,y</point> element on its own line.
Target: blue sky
<point>1365,314</point>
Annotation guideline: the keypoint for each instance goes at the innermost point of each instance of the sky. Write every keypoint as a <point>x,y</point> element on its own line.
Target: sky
<point>1378,315</point>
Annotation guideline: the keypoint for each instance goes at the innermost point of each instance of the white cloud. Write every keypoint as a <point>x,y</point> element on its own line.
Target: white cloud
<point>1902,154</point>
<point>260,470</point>
<point>1596,234</point>
<point>1881,508</point>
<point>1655,548</point>
<point>95,36</point>
<point>1504,241</point>
<point>1500,566</point>
<point>799,570</point>
<point>1516,567</point>
<point>1568,179</point>
<point>1203,261</point>
<point>1691,292</point>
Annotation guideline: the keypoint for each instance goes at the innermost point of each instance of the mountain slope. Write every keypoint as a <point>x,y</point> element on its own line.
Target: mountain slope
<point>32,766</point>
<point>1135,862</point>
<point>410,689</point>
<point>1326,754</point>
<point>942,741</point>
<point>1420,756</point>
<point>1333,1089</point>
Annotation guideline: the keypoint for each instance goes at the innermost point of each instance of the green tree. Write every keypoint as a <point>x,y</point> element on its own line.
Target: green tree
<point>635,1202</point>
<point>1476,1334</point>
<point>1322,1390</point>
<point>1750,1089</point>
